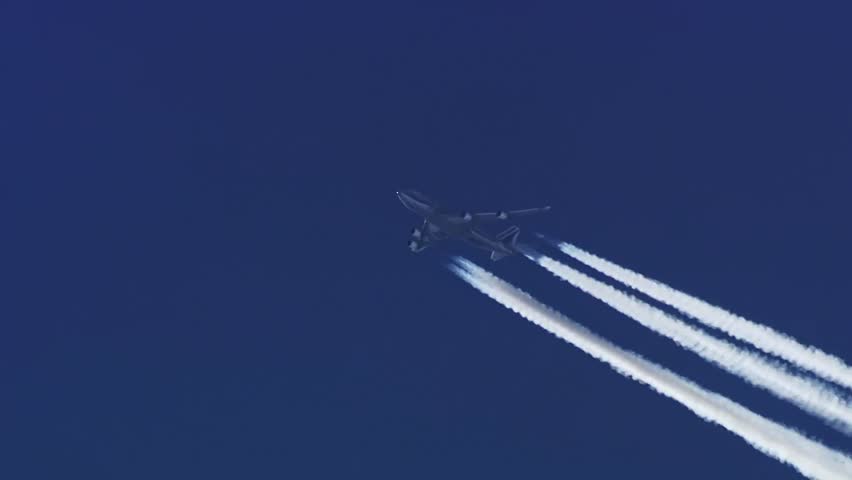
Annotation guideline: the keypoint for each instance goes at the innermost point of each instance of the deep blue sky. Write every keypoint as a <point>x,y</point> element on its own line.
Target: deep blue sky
<point>205,272</point>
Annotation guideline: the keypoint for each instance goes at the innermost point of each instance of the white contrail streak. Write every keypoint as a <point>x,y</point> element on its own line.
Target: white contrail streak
<point>809,457</point>
<point>810,395</point>
<point>761,336</point>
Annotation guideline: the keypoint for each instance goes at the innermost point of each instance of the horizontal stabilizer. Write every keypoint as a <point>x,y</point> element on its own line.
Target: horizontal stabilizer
<point>495,255</point>
<point>511,233</point>
<point>509,238</point>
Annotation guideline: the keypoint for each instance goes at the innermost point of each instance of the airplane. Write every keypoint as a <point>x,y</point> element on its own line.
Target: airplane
<point>439,223</point>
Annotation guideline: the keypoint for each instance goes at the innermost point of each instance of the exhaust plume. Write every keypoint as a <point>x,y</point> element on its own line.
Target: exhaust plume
<point>761,336</point>
<point>808,394</point>
<point>809,457</point>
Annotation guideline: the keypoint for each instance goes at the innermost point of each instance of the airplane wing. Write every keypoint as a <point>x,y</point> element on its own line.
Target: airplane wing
<point>507,214</point>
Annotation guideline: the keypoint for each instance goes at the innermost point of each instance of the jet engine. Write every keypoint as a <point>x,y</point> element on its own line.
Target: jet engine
<point>412,245</point>
<point>416,233</point>
<point>502,215</point>
<point>466,216</point>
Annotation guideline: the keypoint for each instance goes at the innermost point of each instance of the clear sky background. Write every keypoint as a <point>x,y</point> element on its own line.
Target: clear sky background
<point>205,272</point>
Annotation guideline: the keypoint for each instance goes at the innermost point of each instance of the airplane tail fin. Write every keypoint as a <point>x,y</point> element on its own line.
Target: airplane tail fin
<point>508,236</point>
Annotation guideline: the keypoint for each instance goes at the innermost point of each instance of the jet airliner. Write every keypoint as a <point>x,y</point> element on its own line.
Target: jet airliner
<point>440,223</point>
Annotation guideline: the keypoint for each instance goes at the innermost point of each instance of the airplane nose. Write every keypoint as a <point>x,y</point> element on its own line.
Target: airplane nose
<point>405,199</point>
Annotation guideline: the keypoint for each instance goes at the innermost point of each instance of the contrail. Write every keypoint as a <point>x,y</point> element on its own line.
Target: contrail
<point>809,457</point>
<point>761,336</point>
<point>810,395</point>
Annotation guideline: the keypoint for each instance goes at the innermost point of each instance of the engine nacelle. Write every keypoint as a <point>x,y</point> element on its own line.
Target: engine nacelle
<point>412,245</point>
<point>502,215</point>
<point>466,216</point>
<point>416,233</point>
